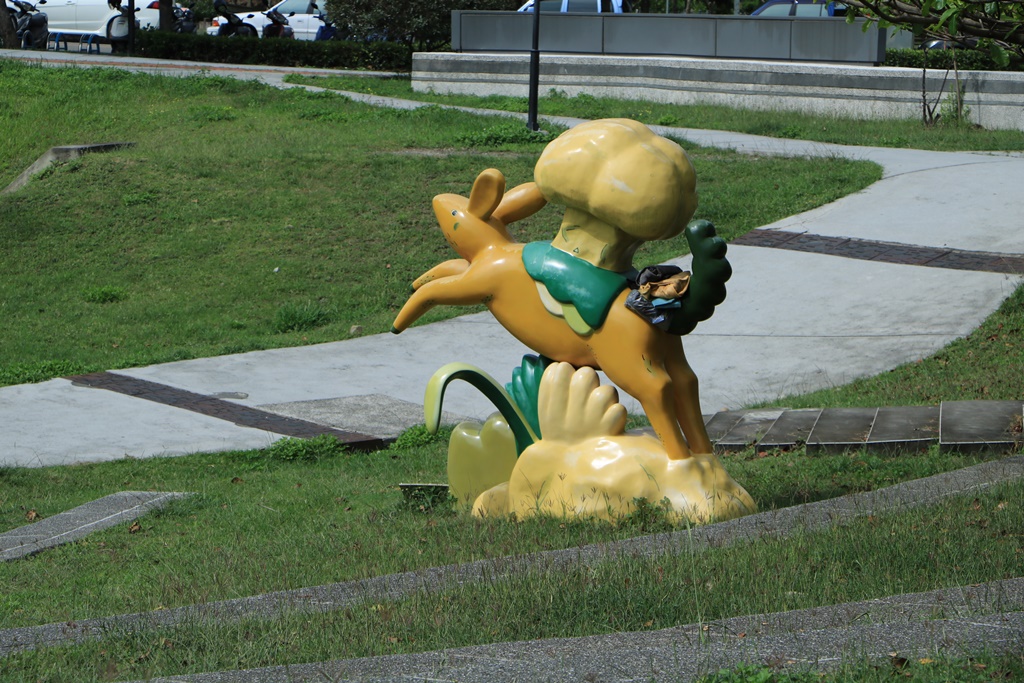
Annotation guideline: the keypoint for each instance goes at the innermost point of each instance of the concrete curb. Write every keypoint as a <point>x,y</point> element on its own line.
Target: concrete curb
<point>55,154</point>
<point>81,521</point>
<point>973,619</point>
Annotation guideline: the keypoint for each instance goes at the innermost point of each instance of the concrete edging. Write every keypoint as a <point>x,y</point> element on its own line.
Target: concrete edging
<point>55,154</point>
<point>995,98</point>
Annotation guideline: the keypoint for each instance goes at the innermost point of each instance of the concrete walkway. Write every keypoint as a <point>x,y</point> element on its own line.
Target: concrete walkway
<point>796,319</point>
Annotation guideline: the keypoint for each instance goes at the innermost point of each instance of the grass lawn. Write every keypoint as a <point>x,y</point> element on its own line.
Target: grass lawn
<point>342,518</point>
<point>910,133</point>
<point>248,218</point>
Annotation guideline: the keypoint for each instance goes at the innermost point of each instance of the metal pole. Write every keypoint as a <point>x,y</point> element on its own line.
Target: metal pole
<point>131,27</point>
<point>531,114</point>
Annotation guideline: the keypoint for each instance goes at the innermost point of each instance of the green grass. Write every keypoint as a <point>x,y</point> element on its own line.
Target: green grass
<point>227,540</point>
<point>964,540</point>
<point>911,133</point>
<point>247,217</point>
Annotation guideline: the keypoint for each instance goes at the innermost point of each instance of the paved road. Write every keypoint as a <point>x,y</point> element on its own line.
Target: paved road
<point>795,319</point>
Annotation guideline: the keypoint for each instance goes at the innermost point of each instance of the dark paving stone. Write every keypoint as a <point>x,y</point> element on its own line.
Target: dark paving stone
<point>765,238</point>
<point>750,428</point>
<point>815,244</point>
<point>971,426</point>
<point>790,430</point>
<point>886,252</point>
<point>966,260</point>
<point>243,416</point>
<point>840,429</point>
<point>721,422</point>
<point>904,429</point>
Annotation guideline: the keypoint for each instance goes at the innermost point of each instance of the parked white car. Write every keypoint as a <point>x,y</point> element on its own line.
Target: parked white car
<point>600,6</point>
<point>82,17</point>
<point>303,17</point>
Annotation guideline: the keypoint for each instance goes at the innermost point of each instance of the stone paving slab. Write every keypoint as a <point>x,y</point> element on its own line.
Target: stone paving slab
<point>81,521</point>
<point>954,621</point>
<point>791,429</point>
<point>904,428</point>
<point>773,523</point>
<point>719,424</point>
<point>839,429</point>
<point>970,426</point>
<point>752,426</point>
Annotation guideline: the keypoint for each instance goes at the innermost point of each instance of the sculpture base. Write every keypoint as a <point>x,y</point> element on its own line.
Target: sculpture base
<point>604,478</point>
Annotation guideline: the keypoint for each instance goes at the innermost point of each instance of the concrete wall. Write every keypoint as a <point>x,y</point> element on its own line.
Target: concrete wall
<point>996,99</point>
<point>683,35</point>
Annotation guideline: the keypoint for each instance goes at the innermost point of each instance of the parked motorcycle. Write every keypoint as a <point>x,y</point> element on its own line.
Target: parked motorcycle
<point>184,20</point>
<point>328,30</point>
<point>278,26</point>
<point>30,25</point>
<point>234,25</point>
<point>119,31</point>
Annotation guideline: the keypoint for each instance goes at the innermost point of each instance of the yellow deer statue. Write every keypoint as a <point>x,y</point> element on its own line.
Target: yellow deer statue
<point>566,300</point>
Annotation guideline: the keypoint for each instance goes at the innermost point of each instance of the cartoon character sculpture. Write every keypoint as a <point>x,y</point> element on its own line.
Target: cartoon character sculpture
<point>578,301</point>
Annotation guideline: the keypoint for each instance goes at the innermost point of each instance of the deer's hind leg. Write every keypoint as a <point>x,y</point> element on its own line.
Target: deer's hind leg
<point>455,266</point>
<point>465,289</point>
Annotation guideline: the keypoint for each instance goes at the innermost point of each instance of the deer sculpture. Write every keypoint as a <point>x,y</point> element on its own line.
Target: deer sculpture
<point>643,360</point>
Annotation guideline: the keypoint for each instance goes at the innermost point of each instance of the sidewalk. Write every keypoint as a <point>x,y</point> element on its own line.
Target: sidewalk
<point>882,277</point>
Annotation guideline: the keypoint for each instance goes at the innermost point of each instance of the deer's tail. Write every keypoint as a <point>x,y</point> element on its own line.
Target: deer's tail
<point>707,283</point>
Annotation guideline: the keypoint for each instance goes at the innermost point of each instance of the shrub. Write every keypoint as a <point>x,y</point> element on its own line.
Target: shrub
<point>332,54</point>
<point>505,133</point>
<point>966,60</point>
<point>305,450</point>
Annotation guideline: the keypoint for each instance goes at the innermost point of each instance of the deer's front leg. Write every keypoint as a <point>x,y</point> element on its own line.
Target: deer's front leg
<point>455,266</point>
<point>454,290</point>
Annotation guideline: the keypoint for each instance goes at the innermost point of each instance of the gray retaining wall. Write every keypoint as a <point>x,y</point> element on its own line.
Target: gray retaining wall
<point>996,99</point>
<point>826,39</point>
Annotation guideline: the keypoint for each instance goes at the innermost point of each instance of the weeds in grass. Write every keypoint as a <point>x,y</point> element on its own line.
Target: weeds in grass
<point>300,317</point>
<point>205,552</point>
<point>104,295</point>
<point>303,450</point>
<point>506,133</point>
<point>418,436</point>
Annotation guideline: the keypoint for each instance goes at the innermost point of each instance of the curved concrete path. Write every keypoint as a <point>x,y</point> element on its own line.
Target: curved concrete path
<point>794,320</point>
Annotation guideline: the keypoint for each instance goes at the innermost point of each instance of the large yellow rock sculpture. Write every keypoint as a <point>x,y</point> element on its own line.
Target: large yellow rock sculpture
<point>586,466</point>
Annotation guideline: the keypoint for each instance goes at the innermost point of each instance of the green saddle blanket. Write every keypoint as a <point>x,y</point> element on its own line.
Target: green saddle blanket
<point>572,280</point>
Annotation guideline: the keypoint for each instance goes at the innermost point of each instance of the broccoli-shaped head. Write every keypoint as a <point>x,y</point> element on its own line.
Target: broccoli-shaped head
<point>622,173</point>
